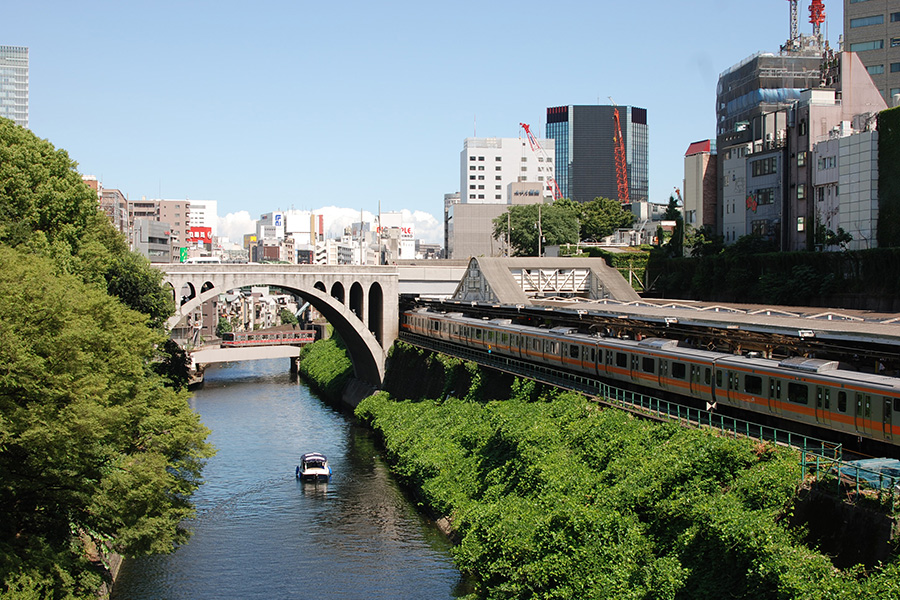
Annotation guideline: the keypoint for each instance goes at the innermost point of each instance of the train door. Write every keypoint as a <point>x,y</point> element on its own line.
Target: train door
<point>887,419</point>
<point>664,373</point>
<point>823,405</point>
<point>863,413</point>
<point>774,394</point>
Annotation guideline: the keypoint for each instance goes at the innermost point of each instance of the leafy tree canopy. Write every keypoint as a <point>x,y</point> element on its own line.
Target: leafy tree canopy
<point>601,217</point>
<point>287,317</point>
<point>91,440</point>
<point>558,222</point>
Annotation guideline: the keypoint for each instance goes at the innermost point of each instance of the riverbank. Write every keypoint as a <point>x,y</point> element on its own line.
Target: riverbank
<point>549,496</point>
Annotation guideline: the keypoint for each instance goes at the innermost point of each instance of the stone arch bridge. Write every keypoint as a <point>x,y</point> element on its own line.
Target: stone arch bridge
<point>360,302</point>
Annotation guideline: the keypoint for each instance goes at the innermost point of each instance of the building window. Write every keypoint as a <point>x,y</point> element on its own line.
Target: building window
<point>498,197</point>
<point>765,196</point>
<point>471,158</point>
<point>895,67</point>
<point>801,191</point>
<point>497,158</point>
<point>524,159</point>
<point>472,187</point>
<point>865,21</point>
<point>895,17</point>
<point>498,168</point>
<point>481,196</point>
<point>801,159</point>
<point>524,169</point>
<point>820,193</point>
<point>874,45</point>
<point>498,187</point>
<point>472,167</point>
<point>875,69</point>
<point>481,177</point>
<point>472,177</point>
<point>480,158</point>
<point>481,167</point>
<point>801,224</point>
<point>894,43</point>
<point>894,92</point>
<point>498,178</point>
<point>765,166</point>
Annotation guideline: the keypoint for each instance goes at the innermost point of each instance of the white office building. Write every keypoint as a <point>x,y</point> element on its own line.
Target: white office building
<point>204,213</point>
<point>14,84</point>
<point>488,166</point>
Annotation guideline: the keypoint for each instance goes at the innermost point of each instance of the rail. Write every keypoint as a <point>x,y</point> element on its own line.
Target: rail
<point>645,405</point>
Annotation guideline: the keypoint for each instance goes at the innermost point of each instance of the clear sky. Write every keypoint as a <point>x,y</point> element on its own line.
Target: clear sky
<point>272,105</point>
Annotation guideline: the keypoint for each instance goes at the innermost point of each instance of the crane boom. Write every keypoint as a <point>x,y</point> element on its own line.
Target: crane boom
<point>543,157</point>
<point>621,164</point>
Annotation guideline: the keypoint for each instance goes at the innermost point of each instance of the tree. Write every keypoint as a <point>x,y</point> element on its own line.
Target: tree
<point>703,241</point>
<point>91,440</point>
<point>601,217</point>
<point>287,317</point>
<point>559,225</point>
<point>675,244</point>
<point>224,326</point>
<point>94,445</point>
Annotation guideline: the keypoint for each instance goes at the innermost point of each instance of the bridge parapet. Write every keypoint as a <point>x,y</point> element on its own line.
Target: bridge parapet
<point>359,301</point>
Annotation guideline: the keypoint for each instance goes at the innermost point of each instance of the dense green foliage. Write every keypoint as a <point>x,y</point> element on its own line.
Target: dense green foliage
<point>888,178</point>
<point>601,217</point>
<point>326,366</point>
<point>562,222</point>
<point>524,223</point>
<point>97,449</point>
<point>556,498</point>
<point>287,317</point>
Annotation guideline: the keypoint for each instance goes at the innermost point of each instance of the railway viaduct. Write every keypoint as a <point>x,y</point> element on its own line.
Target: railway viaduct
<point>360,302</point>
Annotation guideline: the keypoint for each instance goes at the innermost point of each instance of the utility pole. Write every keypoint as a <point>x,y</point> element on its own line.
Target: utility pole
<point>540,232</point>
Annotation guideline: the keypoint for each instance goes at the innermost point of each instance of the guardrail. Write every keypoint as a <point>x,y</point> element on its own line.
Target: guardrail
<point>853,480</point>
<point>636,402</point>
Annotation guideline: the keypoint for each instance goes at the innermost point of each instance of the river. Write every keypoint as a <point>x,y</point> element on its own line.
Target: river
<point>259,533</point>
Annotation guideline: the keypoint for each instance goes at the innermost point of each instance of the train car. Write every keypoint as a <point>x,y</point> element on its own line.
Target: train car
<point>268,337</point>
<point>806,390</point>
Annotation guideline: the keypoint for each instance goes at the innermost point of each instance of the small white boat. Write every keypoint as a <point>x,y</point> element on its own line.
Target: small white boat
<point>313,467</point>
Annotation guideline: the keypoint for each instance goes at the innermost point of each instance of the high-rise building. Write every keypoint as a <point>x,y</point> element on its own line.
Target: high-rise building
<point>14,84</point>
<point>872,30</point>
<point>584,140</point>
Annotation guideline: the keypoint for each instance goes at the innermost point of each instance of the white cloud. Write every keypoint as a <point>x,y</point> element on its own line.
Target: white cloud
<point>235,225</point>
<point>426,227</point>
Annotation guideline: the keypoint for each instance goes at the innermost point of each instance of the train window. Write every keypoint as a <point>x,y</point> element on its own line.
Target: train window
<point>718,378</point>
<point>707,377</point>
<point>896,404</point>
<point>679,370</point>
<point>753,385</point>
<point>435,325</point>
<point>648,365</point>
<point>477,334</point>
<point>621,360</point>
<point>609,357</point>
<point>798,392</point>
<point>504,338</point>
<point>842,401</point>
<point>573,351</point>
<point>593,355</point>
<point>868,406</point>
<point>827,399</point>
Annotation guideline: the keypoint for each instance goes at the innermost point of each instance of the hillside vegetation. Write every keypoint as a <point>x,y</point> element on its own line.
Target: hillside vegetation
<point>550,496</point>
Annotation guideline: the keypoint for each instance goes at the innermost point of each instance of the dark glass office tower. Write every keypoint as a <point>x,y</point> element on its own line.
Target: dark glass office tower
<point>585,151</point>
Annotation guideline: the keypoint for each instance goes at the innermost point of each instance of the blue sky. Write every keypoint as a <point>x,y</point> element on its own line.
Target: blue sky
<point>273,105</point>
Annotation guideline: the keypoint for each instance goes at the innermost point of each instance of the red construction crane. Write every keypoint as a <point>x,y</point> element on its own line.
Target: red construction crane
<point>817,16</point>
<point>542,157</point>
<point>621,165</point>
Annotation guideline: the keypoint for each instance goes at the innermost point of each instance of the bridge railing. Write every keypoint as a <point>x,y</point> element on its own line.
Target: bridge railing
<point>649,406</point>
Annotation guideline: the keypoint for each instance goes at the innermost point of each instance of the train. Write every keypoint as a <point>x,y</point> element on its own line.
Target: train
<point>811,391</point>
<point>282,335</point>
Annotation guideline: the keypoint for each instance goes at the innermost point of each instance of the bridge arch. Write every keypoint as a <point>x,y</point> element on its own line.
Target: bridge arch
<point>368,327</point>
<point>337,291</point>
<point>376,308</point>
